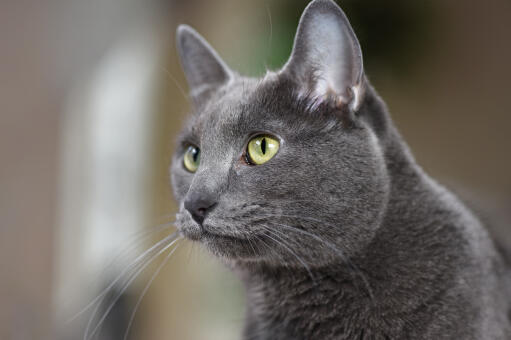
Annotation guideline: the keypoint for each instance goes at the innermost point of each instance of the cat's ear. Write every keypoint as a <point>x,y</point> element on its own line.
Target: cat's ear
<point>205,71</point>
<point>326,61</point>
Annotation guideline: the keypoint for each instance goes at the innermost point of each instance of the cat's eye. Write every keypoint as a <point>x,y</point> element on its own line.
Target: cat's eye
<point>191,159</point>
<point>261,149</point>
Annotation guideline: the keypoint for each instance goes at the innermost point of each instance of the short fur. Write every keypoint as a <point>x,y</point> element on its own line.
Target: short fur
<point>341,235</point>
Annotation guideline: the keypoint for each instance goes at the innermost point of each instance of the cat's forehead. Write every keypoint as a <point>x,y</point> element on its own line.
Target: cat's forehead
<point>239,105</point>
<point>227,106</point>
<point>269,104</point>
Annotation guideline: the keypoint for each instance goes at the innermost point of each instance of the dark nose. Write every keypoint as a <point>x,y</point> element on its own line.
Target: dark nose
<point>199,204</point>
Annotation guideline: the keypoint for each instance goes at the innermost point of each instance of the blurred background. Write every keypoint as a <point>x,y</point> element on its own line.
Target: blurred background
<point>92,96</point>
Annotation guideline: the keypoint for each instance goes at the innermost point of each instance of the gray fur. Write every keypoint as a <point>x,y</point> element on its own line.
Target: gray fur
<point>341,235</point>
<point>204,69</point>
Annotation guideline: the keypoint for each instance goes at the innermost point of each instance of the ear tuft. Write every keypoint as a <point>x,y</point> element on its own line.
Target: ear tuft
<point>204,69</point>
<point>327,60</point>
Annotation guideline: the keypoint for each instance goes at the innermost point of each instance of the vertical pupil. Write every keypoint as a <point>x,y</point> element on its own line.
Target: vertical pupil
<point>263,146</point>
<point>195,154</point>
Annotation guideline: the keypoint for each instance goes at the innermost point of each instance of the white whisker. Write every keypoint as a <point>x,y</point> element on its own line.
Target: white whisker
<point>336,251</point>
<point>146,288</point>
<point>126,270</point>
<point>138,266</point>
<point>283,244</point>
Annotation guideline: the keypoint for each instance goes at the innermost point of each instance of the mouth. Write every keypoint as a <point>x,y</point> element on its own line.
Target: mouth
<point>224,246</point>
<point>218,237</point>
<point>203,235</point>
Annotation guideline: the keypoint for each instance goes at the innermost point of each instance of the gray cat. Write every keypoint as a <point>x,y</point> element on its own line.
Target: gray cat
<point>301,184</point>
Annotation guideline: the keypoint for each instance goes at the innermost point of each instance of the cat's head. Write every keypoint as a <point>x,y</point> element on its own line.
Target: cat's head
<point>284,169</point>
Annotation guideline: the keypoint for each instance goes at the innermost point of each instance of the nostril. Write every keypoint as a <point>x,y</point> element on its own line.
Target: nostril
<point>198,218</point>
<point>198,207</point>
<point>199,214</point>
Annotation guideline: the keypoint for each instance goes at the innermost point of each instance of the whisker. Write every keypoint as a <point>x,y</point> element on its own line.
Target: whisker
<point>272,250</point>
<point>146,288</point>
<point>268,11</point>
<point>283,244</point>
<point>126,270</point>
<point>252,246</point>
<point>337,251</point>
<point>185,96</point>
<point>305,218</point>
<point>132,277</point>
<point>137,239</point>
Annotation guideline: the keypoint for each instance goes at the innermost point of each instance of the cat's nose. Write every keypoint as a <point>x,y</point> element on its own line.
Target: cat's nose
<point>198,205</point>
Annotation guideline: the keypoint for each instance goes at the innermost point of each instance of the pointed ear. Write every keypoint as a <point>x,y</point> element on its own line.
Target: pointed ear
<point>205,71</point>
<point>326,60</point>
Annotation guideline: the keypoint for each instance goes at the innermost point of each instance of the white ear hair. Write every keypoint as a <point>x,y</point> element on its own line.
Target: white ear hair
<point>326,58</point>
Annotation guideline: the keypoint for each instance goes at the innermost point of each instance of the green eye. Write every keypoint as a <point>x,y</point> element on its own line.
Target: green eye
<point>191,160</point>
<point>261,149</point>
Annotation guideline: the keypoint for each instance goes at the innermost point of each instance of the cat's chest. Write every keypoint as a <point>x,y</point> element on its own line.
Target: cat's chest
<point>318,322</point>
<point>349,313</point>
<point>334,310</point>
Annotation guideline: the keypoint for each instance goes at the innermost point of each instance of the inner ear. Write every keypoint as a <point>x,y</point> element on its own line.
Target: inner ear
<point>326,61</point>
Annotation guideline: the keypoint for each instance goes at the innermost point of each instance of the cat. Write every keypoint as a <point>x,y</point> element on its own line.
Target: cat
<point>301,184</point>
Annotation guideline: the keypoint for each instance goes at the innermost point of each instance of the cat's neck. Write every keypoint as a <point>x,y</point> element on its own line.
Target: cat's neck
<point>283,303</point>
